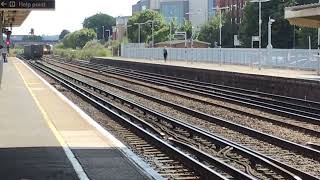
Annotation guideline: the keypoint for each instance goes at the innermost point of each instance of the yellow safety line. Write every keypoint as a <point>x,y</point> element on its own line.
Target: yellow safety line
<point>43,112</point>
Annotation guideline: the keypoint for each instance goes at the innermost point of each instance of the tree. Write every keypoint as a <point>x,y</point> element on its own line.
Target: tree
<point>303,38</point>
<point>210,31</point>
<point>79,38</point>
<point>146,29</point>
<point>282,31</point>
<point>63,34</point>
<point>96,22</point>
<point>187,27</point>
<point>69,41</point>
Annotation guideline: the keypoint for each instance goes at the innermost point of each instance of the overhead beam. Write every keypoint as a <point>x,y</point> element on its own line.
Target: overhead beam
<point>305,15</point>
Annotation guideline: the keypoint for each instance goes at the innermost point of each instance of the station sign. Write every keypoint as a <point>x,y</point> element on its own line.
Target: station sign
<point>27,4</point>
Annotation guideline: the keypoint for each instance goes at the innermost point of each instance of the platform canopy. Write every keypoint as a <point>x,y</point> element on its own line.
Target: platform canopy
<point>305,15</point>
<point>14,18</point>
<point>14,12</point>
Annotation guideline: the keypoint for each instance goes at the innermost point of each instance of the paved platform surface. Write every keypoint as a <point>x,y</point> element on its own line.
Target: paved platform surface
<point>43,137</point>
<point>287,73</point>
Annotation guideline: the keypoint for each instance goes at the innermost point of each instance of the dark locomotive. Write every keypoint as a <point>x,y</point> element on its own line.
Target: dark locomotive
<point>36,51</point>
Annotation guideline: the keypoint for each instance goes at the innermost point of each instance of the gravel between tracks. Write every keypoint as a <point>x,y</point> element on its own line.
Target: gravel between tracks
<point>298,161</point>
<point>100,118</point>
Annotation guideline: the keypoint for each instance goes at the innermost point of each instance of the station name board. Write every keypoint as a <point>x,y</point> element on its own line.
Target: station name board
<point>27,4</point>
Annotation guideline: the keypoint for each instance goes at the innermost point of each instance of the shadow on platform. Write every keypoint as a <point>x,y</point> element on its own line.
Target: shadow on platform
<point>51,163</point>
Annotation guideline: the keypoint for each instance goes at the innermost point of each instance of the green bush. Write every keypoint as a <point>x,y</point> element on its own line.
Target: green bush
<point>78,38</point>
<point>15,51</point>
<point>91,49</point>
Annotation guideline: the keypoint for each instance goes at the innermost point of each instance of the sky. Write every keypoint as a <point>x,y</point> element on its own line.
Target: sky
<point>69,14</point>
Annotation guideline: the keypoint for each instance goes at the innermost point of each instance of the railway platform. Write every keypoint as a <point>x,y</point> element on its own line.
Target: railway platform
<point>276,72</point>
<point>45,136</point>
<point>292,83</point>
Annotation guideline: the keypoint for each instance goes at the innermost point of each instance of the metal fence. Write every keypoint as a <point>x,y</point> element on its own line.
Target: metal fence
<point>304,59</point>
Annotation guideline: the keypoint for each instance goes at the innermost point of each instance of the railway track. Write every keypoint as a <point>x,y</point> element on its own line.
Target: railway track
<point>274,160</point>
<point>170,162</point>
<point>301,113</point>
<point>304,127</point>
<point>178,131</point>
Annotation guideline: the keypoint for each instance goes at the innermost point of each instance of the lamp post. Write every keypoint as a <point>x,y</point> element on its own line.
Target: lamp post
<point>170,29</point>
<point>103,33</point>
<point>192,32</point>
<point>220,30</point>
<point>220,23</point>
<point>127,26</point>
<point>260,23</point>
<point>139,34</point>
<point>152,28</point>
<point>269,33</point>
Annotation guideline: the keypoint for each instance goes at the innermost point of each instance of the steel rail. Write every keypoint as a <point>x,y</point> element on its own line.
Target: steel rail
<point>176,123</point>
<point>312,106</point>
<point>238,100</point>
<point>278,122</point>
<point>247,91</point>
<point>134,123</point>
<point>277,162</point>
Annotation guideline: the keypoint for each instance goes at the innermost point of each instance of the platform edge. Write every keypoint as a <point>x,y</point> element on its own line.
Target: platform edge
<point>136,160</point>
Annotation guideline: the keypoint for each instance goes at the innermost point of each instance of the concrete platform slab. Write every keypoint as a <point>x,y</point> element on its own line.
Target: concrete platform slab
<point>28,148</point>
<point>58,136</point>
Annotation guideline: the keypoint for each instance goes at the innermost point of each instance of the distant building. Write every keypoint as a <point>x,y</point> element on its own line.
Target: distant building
<point>121,27</point>
<point>197,11</point>
<point>211,5</point>
<point>175,10</point>
<point>235,8</point>
<point>146,4</point>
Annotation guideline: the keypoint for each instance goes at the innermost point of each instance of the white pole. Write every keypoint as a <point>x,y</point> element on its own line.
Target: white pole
<point>309,42</point>
<point>260,23</point>
<point>220,27</point>
<point>170,35</point>
<point>127,32</point>
<point>153,34</point>
<point>185,39</point>
<point>103,33</point>
<point>270,33</point>
<point>139,33</point>
<point>220,37</point>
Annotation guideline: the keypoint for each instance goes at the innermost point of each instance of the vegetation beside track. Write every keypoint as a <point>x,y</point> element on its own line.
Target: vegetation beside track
<point>92,48</point>
<point>15,51</point>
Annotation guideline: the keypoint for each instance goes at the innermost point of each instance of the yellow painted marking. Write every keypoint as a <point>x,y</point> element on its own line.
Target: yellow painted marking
<point>43,112</point>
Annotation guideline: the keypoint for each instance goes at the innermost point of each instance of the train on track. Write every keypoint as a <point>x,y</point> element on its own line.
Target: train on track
<point>36,51</point>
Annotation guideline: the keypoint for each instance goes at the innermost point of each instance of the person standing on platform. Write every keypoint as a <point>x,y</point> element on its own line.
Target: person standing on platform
<point>165,53</point>
<point>4,54</point>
